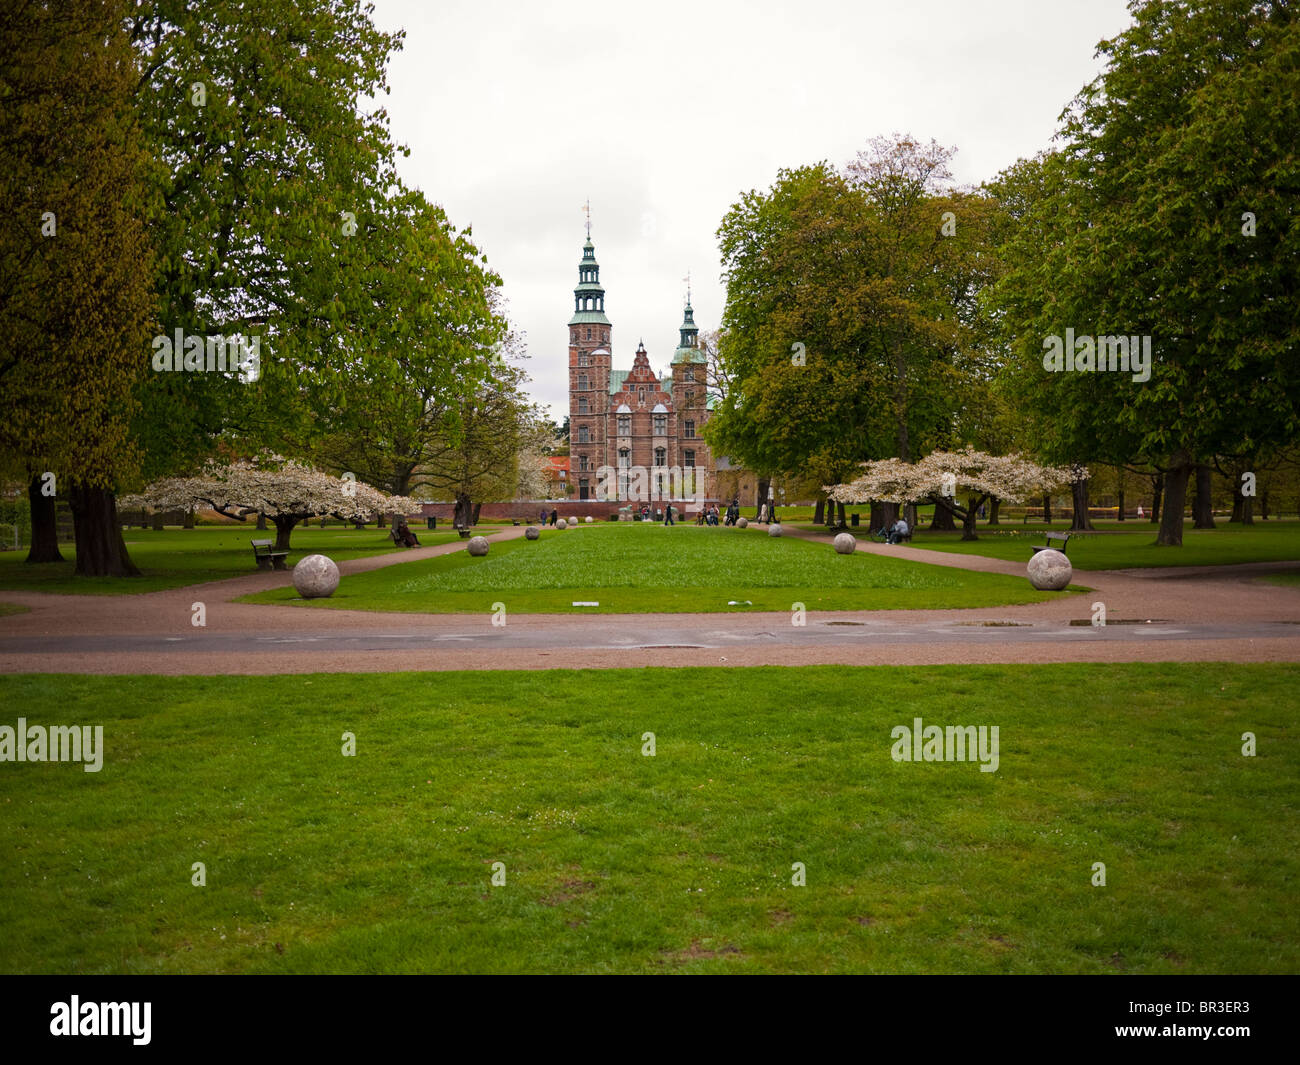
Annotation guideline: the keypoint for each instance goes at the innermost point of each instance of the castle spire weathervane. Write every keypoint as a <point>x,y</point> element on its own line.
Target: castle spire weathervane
<point>587,208</point>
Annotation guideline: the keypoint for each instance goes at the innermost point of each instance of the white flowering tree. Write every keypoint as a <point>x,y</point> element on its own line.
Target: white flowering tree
<point>286,492</point>
<point>942,476</point>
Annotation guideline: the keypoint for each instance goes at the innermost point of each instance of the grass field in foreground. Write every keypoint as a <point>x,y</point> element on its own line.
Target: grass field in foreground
<point>1116,546</point>
<point>177,557</point>
<point>619,862</point>
<point>647,568</point>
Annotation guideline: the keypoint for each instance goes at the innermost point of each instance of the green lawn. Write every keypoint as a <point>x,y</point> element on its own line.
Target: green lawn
<point>647,568</point>
<point>177,557</point>
<point>619,862</point>
<point>1288,580</point>
<point>1115,546</point>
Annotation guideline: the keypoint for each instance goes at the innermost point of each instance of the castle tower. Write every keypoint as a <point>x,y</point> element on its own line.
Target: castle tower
<point>690,391</point>
<point>589,368</point>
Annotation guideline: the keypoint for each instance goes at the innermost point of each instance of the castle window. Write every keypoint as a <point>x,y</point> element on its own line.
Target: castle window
<point>583,358</point>
<point>573,339</point>
<point>661,456</point>
<point>688,375</point>
<point>690,429</point>
<point>689,459</point>
<point>582,462</point>
<point>690,399</point>
<point>661,424</point>
<point>584,435</point>
<point>589,328</point>
<point>582,405</point>
<point>624,424</point>
<point>624,458</point>
<point>582,381</point>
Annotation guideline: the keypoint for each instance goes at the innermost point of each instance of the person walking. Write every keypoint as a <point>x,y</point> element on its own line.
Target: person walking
<point>555,516</point>
<point>668,513</point>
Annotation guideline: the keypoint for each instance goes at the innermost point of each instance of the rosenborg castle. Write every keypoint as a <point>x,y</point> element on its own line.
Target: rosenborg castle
<point>634,435</point>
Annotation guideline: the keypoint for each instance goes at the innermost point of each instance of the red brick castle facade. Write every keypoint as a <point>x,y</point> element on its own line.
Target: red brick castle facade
<point>634,435</point>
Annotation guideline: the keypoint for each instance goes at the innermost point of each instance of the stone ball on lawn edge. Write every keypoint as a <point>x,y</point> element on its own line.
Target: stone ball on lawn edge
<point>1050,571</point>
<point>532,532</point>
<point>587,519</point>
<point>774,529</point>
<point>846,543</point>
<point>316,577</point>
<point>742,523</point>
<point>573,523</point>
<point>478,546</point>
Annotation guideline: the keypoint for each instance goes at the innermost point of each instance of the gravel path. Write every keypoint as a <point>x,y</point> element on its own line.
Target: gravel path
<point>1188,614</point>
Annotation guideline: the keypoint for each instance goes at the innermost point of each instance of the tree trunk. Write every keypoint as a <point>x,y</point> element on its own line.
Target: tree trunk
<point>1203,504</point>
<point>1263,505</point>
<point>45,526</point>
<point>1081,521</point>
<point>994,504</point>
<point>943,520</point>
<point>101,551</point>
<point>1047,508</point>
<point>876,519</point>
<point>968,519</point>
<point>477,507</point>
<point>1121,500</point>
<point>1175,501</point>
<point>189,519</point>
<point>284,524</point>
<point>1157,496</point>
<point>840,522</point>
<point>261,522</point>
<point>764,483</point>
<point>461,515</point>
<point>819,512</point>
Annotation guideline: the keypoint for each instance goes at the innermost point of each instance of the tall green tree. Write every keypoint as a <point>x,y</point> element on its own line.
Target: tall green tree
<point>75,267</point>
<point>1170,212</point>
<point>850,303</point>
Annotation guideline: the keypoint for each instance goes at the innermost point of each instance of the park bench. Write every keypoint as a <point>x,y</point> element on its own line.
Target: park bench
<point>465,531</point>
<point>267,556</point>
<point>1053,539</point>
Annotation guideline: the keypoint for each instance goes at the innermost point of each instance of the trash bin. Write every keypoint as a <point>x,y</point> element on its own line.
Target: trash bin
<point>433,522</point>
<point>853,519</point>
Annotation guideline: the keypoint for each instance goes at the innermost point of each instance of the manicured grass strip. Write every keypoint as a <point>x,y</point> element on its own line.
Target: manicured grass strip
<point>1115,546</point>
<point>174,558</point>
<point>12,608</point>
<point>647,568</point>
<point>1287,580</point>
<point>619,862</point>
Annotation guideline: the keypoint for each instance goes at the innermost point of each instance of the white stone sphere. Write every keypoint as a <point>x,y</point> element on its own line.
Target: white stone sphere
<point>846,543</point>
<point>478,546</point>
<point>316,577</point>
<point>587,519</point>
<point>532,532</point>
<point>573,523</point>
<point>742,523</point>
<point>774,530</point>
<point>1050,571</point>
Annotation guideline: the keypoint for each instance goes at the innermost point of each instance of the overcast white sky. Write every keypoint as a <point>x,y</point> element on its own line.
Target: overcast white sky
<point>663,113</point>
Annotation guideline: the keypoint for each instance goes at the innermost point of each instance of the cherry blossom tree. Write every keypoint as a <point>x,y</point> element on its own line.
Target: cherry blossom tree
<point>286,492</point>
<point>942,475</point>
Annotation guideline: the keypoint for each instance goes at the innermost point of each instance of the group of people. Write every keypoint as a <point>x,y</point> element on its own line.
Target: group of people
<point>548,519</point>
<point>403,535</point>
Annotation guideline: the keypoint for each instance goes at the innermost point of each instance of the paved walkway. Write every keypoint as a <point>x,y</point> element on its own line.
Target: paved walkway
<point>1189,614</point>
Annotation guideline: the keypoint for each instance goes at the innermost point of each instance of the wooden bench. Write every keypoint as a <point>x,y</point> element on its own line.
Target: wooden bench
<point>267,556</point>
<point>1054,538</point>
<point>465,532</point>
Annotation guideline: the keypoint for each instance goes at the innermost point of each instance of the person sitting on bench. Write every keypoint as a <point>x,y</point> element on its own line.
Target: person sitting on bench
<point>898,532</point>
<point>405,537</point>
